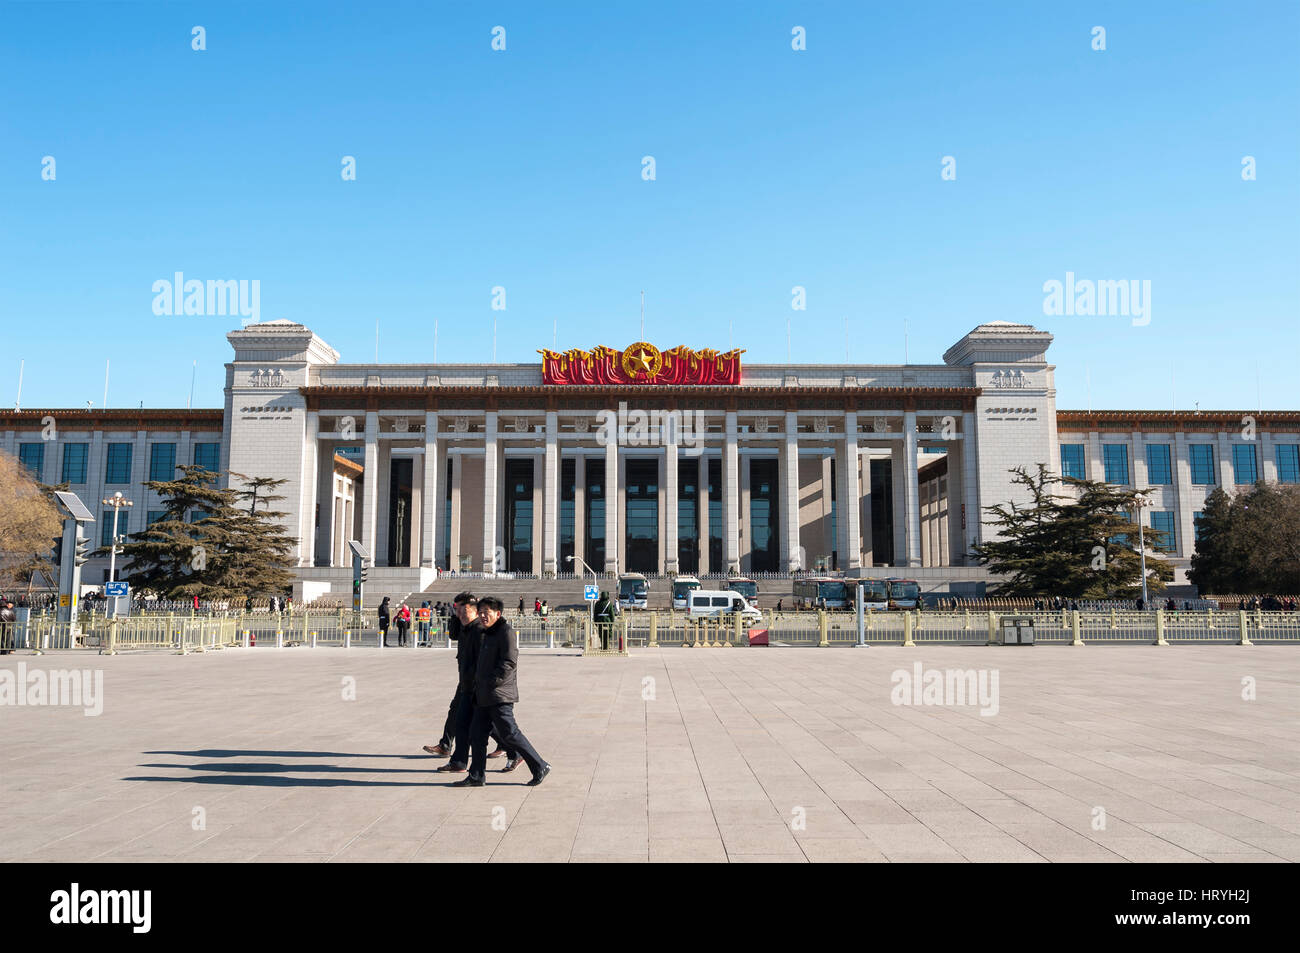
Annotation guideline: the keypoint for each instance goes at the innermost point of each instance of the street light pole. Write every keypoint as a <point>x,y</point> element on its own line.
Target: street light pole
<point>1142,547</point>
<point>591,606</point>
<point>117,502</point>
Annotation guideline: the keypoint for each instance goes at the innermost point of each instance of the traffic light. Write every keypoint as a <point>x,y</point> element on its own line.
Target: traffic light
<point>56,554</point>
<point>364,567</point>
<point>83,550</point>
<point>356,587</point>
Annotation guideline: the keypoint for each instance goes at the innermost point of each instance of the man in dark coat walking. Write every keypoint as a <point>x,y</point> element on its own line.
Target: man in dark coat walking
<point>463,628</point>
<point>496,689</point>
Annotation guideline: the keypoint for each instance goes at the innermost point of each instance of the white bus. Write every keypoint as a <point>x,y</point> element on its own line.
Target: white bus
<point>633,591</point>
<point>682,587</point>
<point>821,592</point>
<point>875,594</point>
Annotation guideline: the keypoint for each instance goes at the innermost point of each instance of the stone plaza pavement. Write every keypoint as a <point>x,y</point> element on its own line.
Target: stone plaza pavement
<point>781,754</point>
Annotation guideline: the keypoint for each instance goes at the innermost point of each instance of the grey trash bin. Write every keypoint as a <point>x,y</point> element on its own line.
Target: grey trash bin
<point>1017,630</point>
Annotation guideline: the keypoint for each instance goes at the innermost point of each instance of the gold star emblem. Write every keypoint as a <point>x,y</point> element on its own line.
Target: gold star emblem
<point>644,359</point>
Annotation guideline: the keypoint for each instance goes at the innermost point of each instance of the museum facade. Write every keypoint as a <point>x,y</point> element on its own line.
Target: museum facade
<point>649,460</point>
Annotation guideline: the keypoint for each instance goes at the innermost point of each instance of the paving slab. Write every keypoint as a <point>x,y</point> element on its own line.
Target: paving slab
<point>770,755</point>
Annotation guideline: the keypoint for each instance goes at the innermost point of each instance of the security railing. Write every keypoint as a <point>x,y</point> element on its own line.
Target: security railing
<point>346,629</point>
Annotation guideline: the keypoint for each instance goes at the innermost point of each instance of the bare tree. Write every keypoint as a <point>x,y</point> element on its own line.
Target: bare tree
<point>28,522</point>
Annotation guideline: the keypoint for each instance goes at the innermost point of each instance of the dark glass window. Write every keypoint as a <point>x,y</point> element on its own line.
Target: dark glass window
<point>1115,459</point>
<point>519,515</point>
<point>882,512</point>
<point>1288,463</point>
<point>208,456</point>
<point>32,456</point>
<point>446,518</point>
<point>716,563</point>
<point>1072,464</point>
<point>1159,471</point>
<point>688,515</point>
<point>1163,524</point>
<point>162,461</point>
<point>74,462</point>
<point>642,515</point>
<point>594,519</point>
<point>568,484</point>
<point>764,538</point>
<point>106,525</point>
<point>1201,457</point>
<point>1244,467</point>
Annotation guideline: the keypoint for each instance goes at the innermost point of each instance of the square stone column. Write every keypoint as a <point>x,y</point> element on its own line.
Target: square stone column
<point>455,540</point>
<point>612,535</point>
<point>430,500</point>
<point>370,492</point>
<point>1096,467</point>
<point>1267,462</point>
<point>848,498</point>
<point>911,489</point>
<point>1139,469</point>
<point>670,507</point>
<point>1186,505</point>
<point>579,514</point>
<point>731,496</point>
<point>792,555</point>
<point>491,485</point>
<point>702,512</point>
<point>970,487</point>
<point>551,497</point>
<point>1227,477</point>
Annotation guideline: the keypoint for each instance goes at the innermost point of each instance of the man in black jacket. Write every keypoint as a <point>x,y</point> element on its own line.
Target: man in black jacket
<point>463,628</point>
<point>496,689</point>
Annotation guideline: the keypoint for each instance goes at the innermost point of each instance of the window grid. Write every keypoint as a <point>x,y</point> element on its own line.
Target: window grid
<point>1288,463</point>
<point>1115,458</point>
<point>1201,457</point>
<point>1159,470</point>
<point>1244,468</point>
<point>1072,464</point>
<point>117,468</point>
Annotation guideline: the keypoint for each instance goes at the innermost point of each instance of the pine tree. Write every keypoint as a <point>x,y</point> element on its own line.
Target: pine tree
<point>258,557</point>
<point>174,555</point>
<point>1249,543</point>
<point>1077,546</point>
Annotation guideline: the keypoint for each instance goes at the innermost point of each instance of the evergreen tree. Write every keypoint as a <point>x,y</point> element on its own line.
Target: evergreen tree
<point>1077,546</point>
<point>175,555</point>
<point>257,559</point>
<point>1249,543</point>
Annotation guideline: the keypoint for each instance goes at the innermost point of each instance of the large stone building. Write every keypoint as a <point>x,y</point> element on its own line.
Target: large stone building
<point>518,467</point>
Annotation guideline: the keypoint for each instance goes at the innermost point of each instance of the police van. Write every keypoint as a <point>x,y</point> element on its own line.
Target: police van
<point>707,603</point>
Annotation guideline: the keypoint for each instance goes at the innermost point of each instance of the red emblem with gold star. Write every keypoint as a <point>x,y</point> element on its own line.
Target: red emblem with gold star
<point>642,361</point>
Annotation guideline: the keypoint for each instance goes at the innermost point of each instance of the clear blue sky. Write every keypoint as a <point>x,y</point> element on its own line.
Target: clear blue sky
<point>775,168</point>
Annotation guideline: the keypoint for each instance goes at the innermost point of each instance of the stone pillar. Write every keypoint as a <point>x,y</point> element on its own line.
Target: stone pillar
<point>848,497</point>
<point>539,515</point>
<point>1227,478</point>
<point>670,507</point>
<point>307,511</point>
<point>702,512</point>
<point>455,539</point>
<point>1267,463</point>
<point>864,509</point>
<point>1139,468</point>
<point>791,554</point>
<point>551,502</point>
<point>970,486</point>
<point>430,498</point>
<point>491,492</point>
<point>1096,469</point>
<point>370,494</point>
<point>612,535</point>
<point>898,505</point>
<point>1186,506</point>
<point>579,514</point>
<point>730,496</point>
<point>911,489</point>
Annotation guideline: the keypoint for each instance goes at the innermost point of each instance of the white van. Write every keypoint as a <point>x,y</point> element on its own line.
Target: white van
<point>705,603</point>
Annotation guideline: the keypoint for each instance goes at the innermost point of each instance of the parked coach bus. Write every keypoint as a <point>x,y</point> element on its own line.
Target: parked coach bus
<point>746,587</point>
<point>875,594</point>
<point>682,587</point>
<point>821,592</point>
<point>904,594</point>
<point>633,591</point>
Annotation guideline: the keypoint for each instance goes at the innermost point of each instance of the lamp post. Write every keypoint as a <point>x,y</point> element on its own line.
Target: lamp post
<point>591,606</point>
<point>1141,501</point>
<point>117,502</point>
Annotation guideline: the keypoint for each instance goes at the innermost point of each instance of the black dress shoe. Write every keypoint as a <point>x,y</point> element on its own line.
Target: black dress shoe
<point>512,764</point>
<point>540,776</point>
<point>451,767</point>
<point>468,782</point>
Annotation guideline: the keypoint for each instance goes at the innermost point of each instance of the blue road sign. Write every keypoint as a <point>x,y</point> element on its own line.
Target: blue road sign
<point>116,589</point>
<point>590,593</point>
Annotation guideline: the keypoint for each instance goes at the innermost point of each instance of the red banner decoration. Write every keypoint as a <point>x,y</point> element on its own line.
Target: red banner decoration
<point>641,363</point>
